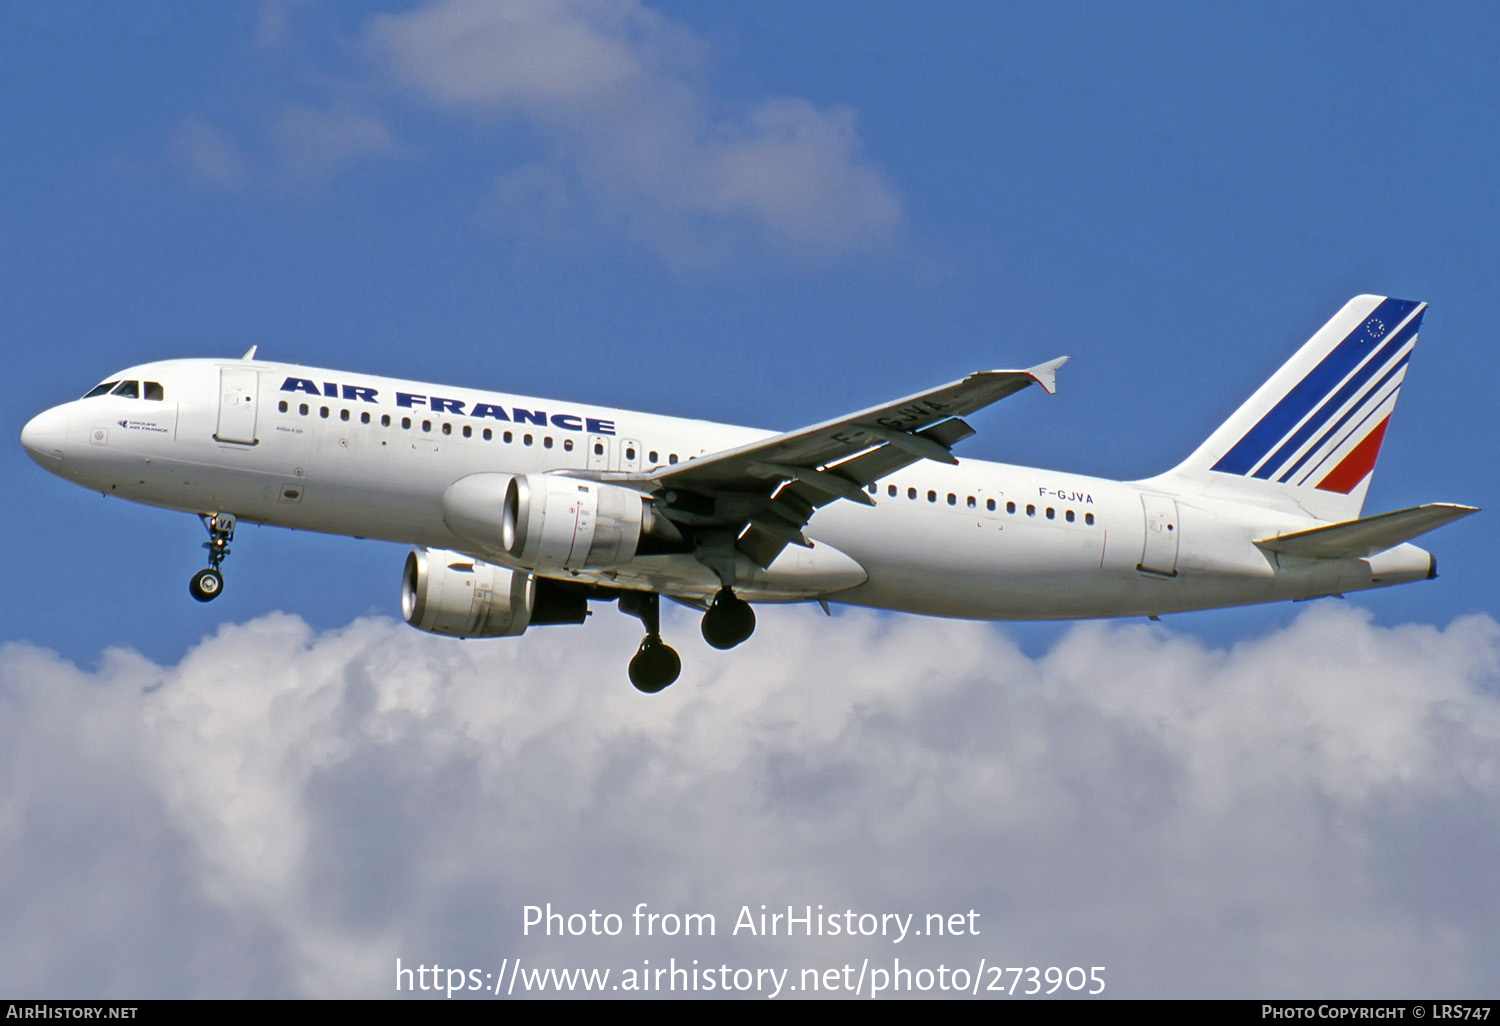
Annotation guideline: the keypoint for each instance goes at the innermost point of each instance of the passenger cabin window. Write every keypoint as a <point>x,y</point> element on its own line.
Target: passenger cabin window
<point>155,392</point>
<point>100,389</point>
<point>128,390</point>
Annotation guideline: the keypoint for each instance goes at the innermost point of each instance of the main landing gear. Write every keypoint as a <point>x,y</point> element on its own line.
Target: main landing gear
<point>656,664</point>
<point>729,621</point>
<point>208,583</point>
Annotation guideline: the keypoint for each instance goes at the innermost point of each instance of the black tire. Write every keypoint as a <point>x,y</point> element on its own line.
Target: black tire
<point>206,585</point>
<point>729,621</point>
<point>654,667</point>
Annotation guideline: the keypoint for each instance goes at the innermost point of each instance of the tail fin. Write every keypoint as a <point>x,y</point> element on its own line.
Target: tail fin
<point>1308,438</point>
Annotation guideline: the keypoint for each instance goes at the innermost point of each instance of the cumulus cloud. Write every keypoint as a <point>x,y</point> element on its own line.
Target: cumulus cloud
<point>287,812</point>
<point>618,88</point>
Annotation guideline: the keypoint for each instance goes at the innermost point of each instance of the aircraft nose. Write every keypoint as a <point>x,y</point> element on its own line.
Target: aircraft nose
<point>44,434</point>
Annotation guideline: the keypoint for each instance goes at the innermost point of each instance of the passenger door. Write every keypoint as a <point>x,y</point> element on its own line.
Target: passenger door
<point>238,404</point>
<point>1159,553</point>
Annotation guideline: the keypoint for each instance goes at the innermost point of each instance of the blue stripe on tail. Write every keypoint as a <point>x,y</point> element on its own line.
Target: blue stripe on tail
<point>1343,395</point>
<point>1312,389</point>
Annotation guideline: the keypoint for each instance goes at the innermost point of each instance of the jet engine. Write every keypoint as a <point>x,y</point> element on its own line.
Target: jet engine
<point>548,522</point>
<point>448,593</point>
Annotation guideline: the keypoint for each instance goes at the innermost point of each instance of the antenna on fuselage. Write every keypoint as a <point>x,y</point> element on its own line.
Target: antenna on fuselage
<point>250,353</point>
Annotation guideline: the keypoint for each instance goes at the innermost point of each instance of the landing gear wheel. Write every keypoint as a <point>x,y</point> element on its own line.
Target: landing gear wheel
<point>729,621</point>
<point>206,585</point>
<point>655,666</point>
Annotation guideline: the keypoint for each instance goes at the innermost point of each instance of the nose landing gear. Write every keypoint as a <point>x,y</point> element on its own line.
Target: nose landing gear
<point>208,583</point>
<point>656,664</point>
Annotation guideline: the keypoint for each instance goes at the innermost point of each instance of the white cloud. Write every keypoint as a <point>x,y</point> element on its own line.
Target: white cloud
<point>535,53</point>
<point>207,153</point>
<point>618,90</point>
<point>323,141</point>
<point>288,812</point>
<point>272,22</point>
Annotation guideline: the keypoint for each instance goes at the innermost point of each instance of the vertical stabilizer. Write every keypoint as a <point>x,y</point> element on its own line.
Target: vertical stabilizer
<point>1309,437</point>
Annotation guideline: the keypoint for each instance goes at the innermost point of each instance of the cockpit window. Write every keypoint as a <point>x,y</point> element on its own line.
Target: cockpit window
<point>128,390</point>
<point>100,389</point>
<point>155,391</point>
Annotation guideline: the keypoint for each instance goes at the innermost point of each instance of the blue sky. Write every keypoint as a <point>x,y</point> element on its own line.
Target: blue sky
<point>764,213</point>
<point>1174,196</point>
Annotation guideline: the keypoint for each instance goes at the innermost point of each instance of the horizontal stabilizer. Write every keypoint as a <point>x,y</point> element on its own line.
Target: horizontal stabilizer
<point>1368,535</point>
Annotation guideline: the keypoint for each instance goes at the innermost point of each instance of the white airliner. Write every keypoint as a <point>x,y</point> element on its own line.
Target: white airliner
<point>524,510</point>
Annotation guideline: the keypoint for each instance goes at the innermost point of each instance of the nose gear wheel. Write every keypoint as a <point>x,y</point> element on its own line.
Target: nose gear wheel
<point>208,584</point>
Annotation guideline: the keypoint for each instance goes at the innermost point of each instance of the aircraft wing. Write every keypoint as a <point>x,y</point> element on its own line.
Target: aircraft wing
<point>760,495</point>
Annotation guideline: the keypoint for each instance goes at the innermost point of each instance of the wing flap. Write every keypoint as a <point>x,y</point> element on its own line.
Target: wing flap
<point>1366,536</point>
<point>858,473</point>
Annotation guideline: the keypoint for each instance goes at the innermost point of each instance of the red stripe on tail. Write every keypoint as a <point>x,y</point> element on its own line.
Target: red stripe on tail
<point>1356,466</point>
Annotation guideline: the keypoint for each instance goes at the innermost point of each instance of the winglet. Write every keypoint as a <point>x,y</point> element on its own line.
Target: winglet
<point>1045,374</point>
<point>250,353</point>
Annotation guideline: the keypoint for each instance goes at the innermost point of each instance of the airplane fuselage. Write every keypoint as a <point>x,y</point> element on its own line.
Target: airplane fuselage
<point>320,450</point>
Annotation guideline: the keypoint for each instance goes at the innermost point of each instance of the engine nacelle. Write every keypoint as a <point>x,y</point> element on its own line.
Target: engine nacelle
<point>548,522</point>
<point>448,593</point>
